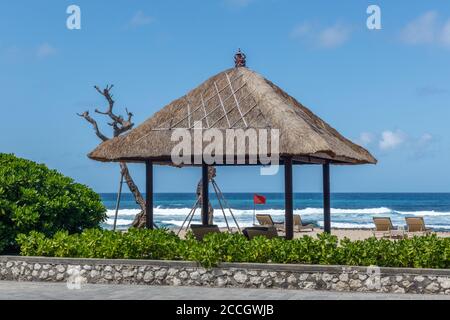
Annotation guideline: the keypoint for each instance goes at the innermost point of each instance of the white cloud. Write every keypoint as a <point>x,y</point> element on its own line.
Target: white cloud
<point>445,34</point>
<point>427,29</point>
<point>326,38</point>
<point>421,30</point>
<point>366,138</point>
<point>425,139</point>
<point>391,140</point>
<point>45,50</point>
<point>334,36</point>
<point>140,19</point>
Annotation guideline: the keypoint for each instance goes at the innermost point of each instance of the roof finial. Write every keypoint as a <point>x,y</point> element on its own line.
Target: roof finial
<point>239,59</point>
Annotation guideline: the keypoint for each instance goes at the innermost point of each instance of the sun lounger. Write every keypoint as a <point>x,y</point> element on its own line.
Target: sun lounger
<point>268,232</point>
<point>416,225</point>
<point>300,226</point>
<point>383,227</point>
<point>200,231</point>
<point>266,220</point>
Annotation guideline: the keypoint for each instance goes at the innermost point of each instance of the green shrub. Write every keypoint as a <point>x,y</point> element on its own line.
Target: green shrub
<point>97,243</point>
<point>33,197</point>
<point>215,248</point>
<point>419,252</point>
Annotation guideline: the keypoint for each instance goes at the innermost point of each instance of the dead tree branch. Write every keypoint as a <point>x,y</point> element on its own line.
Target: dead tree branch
<point>89,119</point>
<point>120,125</point>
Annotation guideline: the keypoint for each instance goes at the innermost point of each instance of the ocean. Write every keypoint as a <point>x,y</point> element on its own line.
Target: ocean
<point>349,210</point>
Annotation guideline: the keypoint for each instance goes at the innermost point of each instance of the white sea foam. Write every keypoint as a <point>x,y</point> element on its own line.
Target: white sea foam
<point>120,222</point>
<point>237,212</point>
<point>424,213</point>
<point>344,225</point>
<point>307,211</point>
<point>432,226</point>
<point>367,211</point>
<point>175,216</point>
<point>243,224</point>
<point>123,212</point>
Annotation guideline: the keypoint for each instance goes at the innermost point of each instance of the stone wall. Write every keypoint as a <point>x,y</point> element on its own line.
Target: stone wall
<point>177,273</point>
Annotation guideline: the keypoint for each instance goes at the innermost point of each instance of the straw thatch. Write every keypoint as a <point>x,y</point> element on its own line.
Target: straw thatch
<point>236,98</point>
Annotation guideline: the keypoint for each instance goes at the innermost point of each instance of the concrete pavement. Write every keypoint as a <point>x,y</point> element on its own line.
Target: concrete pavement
<point>47,290</point>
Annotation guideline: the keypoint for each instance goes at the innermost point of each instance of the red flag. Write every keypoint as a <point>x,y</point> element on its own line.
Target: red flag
<point>259,199</point>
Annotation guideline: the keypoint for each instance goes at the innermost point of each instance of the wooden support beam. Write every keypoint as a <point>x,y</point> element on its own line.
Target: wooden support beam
<point>149,194</point>
<point>205,195</point>
<point>326,198</point>
<point>289,199</point>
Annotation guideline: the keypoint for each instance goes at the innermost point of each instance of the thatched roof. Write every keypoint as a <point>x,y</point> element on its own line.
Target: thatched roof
<point>236,98</point>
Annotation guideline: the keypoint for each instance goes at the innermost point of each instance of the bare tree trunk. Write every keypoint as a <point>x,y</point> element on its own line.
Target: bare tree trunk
<point>140,219</point>
<point>120,125</point>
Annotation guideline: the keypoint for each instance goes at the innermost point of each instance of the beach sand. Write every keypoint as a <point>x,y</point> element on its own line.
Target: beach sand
<point>352,234</point>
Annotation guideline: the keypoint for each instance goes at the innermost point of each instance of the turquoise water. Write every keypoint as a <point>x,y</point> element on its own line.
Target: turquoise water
<point>349,210</point>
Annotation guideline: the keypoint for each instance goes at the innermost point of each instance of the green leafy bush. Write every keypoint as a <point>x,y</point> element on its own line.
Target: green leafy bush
<point>419,252</point>
<point>33,197</point>
<point>106,244</point>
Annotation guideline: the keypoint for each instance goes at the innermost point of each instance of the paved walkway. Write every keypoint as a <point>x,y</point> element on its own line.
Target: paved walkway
<point>41,290</point>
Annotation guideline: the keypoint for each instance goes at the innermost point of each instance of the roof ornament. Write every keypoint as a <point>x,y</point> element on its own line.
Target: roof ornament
<point>239,59</point>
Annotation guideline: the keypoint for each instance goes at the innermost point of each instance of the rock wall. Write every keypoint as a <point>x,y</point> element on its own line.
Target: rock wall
<point>76,272</point>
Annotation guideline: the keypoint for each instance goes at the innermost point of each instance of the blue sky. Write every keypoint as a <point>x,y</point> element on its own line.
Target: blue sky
<point>387,89</point>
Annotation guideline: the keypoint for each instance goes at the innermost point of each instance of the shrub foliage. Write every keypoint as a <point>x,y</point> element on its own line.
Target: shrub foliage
<point>33,197</point>
<point>418,252</point>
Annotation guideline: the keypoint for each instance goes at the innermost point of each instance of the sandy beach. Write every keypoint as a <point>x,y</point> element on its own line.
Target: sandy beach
<point>352,234</point>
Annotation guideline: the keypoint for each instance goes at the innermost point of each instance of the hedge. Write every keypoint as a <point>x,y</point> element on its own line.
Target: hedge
<point>33,197</point>
<point>417,252</point>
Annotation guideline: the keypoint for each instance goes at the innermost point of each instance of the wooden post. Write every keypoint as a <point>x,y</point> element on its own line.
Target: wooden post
<point>288,198</point>
<point>326,198</point>
<point>149,194</point>
<point>119,195</point>
<point>205,195</point>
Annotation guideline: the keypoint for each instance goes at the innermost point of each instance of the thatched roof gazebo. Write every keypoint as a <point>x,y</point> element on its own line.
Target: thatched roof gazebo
<point>238,98</point>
